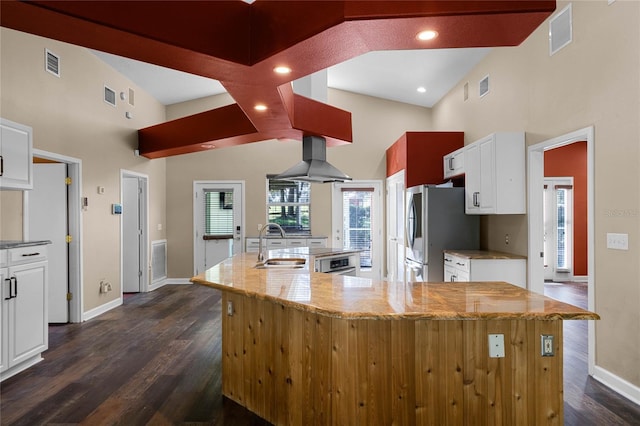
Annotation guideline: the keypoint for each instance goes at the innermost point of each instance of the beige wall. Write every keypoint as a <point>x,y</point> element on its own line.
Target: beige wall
<point>594,81</point>
<point>69,117</point>
<point>376,125</point>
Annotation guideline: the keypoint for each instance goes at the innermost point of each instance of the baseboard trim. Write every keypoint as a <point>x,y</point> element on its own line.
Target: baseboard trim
<point>101,309</point>
<point>581,278</point>
<point>156,285</point>
<point>617,384</point>
<point>178,281</point>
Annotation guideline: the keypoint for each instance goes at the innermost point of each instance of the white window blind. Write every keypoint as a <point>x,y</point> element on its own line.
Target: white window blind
<point>356,214</point>
<point>218,214</point>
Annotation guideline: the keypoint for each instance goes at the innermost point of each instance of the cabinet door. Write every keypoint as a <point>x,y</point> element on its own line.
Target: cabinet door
<point>4,329</point>
<point>15,151</point>
<point>472,179</point>
<point>487,176</point>
<point>454,163</point>
<point>28,312</point>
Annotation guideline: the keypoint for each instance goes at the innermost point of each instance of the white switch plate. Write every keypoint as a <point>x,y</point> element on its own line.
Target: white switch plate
<point>618,241</point>
<point>496,346</point>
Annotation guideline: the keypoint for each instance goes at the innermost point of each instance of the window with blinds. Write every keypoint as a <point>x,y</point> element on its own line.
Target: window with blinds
<point>289,205</point>
<point>218,213</point>
<point>356,214</point>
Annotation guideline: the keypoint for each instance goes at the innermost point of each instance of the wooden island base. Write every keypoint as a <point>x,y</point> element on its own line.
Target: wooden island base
<point>293,366</point>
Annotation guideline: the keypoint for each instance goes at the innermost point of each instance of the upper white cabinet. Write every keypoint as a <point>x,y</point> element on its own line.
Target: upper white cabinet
<point>16,145</point>
<point>495,174</point>
<point>454,163</point>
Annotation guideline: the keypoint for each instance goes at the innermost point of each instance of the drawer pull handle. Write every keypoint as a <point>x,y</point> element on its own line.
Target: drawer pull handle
<point>30,254</point>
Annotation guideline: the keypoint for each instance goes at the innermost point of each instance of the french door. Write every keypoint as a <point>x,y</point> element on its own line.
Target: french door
<point>218,222</point>
<point>357,222</point>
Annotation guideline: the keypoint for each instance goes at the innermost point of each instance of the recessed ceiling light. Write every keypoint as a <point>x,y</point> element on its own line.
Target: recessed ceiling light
<point>207,146</point>
<point>421,89</point>
<point>260,107</point>
<point>427,35</point>
<point>282,70</point>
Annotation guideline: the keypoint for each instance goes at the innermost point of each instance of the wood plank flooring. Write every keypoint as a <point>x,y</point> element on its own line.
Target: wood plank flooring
<point>156,360</point>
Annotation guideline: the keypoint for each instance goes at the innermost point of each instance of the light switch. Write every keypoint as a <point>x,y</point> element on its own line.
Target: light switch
<point>496,346</point>
<point>618,241</point>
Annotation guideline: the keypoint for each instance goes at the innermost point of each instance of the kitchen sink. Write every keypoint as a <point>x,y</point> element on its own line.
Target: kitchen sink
<point>282,263</point>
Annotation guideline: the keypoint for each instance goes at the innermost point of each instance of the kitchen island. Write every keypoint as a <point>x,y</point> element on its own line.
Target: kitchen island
<point>303,347</point>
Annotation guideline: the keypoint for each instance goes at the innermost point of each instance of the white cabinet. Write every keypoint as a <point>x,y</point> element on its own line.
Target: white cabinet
<point>495,174</point>
<point>487,266</point>
<point>454,163</point>
<point>24,329</point>
<point>16,146</point>
<point>252,244</point>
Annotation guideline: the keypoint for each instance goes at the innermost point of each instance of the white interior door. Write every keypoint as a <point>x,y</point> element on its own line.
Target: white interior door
<point>356,222</point>
<point>395,226</point>
<point>131,234</point>
<point>48,220</point>
<point>218,222</point>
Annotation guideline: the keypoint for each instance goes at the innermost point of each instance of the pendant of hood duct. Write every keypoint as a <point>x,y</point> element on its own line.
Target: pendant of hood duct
<point>314,166</point>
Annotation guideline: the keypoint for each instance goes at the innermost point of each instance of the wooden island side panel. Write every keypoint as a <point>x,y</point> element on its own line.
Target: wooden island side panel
<point>297,367</point>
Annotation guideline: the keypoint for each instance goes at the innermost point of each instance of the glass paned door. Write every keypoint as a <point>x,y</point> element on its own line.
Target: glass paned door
<point>356,216</point>
<point>558,228</point>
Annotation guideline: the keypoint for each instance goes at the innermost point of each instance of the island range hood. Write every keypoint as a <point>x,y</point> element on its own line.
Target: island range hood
<point>314,166</point>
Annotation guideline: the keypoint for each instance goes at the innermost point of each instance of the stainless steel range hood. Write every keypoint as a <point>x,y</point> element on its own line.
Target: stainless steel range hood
<point>314,166</point>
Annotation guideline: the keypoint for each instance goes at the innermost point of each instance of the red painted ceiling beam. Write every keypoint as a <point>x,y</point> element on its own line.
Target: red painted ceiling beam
<point>240,44</point>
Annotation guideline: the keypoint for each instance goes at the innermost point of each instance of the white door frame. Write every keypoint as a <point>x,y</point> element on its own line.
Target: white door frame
<point>535,167</point>
<point>377,241</point>
<point>197,186</point>
<point>74,206</point>
<point>144,226</point>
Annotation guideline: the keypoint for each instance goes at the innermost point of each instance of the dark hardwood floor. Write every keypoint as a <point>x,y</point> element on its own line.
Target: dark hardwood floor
<point>156,360</point>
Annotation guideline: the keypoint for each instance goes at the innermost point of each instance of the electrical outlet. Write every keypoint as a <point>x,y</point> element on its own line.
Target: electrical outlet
<point>618,241</point>
<point>506,239</point>
<point>229,308</point>
<point>259,227</point>
<point>496,346</point>
<point>546,345</point>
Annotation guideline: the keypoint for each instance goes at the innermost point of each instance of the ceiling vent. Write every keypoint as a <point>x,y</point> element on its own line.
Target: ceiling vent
<point>52,62</point>
<point>560,30</point>
<point>484,86</point>
<point>109,96</point>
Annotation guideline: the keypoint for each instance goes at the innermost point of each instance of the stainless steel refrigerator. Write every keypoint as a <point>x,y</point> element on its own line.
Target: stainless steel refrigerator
<point>436,221</point>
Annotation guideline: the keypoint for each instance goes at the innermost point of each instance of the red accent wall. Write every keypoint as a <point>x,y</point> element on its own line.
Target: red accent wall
<point>571,160</point>
<point>420,154</point>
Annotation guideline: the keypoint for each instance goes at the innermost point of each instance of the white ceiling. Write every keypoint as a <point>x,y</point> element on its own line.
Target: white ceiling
<point>393,75</point>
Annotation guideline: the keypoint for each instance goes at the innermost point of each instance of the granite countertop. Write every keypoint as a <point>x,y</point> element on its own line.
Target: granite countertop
<point>357,297</point>
<point>9,244</point>
<point>484,254</point>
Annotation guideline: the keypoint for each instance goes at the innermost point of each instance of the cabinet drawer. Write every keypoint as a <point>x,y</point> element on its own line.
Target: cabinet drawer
<point>253,244</point>
<point>29,254</point>
<point>274,243</point>
<point>296,242</point>
<point>317,242</point>
<point>461,263</point>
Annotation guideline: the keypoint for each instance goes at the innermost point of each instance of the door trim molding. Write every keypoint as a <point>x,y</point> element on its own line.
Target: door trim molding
<point>144,262</point>
<point>74,207</point>
<point>535,167</point>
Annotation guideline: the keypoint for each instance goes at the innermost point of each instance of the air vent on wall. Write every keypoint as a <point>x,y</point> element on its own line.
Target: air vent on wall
<point>109,96</point>
<point>484,86</point>
<point>52,62</point>
<point>132,95</point>
<point>465,94</point>
<point>560,30</point>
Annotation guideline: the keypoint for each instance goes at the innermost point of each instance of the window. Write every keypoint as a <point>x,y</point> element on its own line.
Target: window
<point>356,214</point>
<point>289,205</point>
<point>218,214</point>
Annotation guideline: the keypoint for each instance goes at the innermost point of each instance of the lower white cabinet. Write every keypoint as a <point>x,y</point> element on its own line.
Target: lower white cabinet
<point>252,244</point>
<point>485,266</point>
<point>24,329</point>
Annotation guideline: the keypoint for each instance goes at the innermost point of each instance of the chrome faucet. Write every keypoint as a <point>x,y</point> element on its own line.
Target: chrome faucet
<point>282,234</point>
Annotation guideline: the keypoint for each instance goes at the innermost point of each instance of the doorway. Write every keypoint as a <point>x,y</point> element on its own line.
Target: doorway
<point>535,214</point>
<point>52,211</point>
<point>134,263</point>
<point>356,222</point>
<point>218,222</point>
